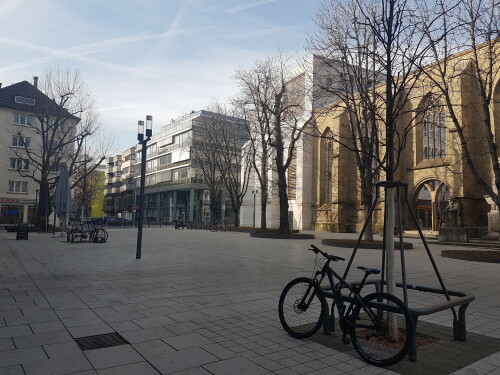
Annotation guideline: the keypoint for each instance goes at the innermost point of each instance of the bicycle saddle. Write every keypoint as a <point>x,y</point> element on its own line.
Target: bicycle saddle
<point>370,271</point>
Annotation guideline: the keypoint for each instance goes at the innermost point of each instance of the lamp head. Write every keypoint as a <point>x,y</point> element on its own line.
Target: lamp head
<point>149,126</point>
<point>140,131</point>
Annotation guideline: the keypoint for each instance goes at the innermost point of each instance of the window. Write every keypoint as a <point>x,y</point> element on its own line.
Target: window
<point>20,119</point>
<point>180,138</point>
<point>180,173</point>
<point>18,187</point>
<point>165,159</point>
<point>20,141</point>
<point>24,100</point>
<point>434,135</point>
<point>20,164</point>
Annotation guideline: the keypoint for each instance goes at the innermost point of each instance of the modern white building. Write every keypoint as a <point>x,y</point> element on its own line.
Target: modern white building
<point>309,79</point>
<point>175,186</point>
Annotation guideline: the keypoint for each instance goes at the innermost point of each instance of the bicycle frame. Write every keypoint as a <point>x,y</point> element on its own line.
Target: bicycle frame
<point>338,298</point>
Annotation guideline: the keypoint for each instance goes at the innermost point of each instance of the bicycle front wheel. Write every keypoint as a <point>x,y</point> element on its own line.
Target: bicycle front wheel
<point>301,308</point>
<point>381,329</point>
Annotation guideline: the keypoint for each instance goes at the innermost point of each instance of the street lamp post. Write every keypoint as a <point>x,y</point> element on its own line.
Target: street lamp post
<point>36,207</point>
<point>143,141</point>
<point>254,192</point>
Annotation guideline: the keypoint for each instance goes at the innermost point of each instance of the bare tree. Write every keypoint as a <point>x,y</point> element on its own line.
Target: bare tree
<point>348,51</point>
<point>206,157</point>
<point>230,134</point>
<point>475,25</point>
<point>62,118</point>
<point>278,106</point>
<point>257,149</point>
<point>392,27</point>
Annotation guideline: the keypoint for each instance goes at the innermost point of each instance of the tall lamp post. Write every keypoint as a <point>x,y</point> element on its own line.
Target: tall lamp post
<point>254,192</point>
<point>143,141</point>
<point>36,207</point>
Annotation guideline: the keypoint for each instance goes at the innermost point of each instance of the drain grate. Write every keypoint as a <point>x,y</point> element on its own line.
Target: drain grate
<point>106,340</point>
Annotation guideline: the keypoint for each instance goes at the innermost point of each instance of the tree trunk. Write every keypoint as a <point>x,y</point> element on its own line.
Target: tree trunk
<point>283,199</point>
<point>389,243</point>
<point>236,215</point>
<point>214,202</point>
<point>369,227</point>
<point>264,189</point>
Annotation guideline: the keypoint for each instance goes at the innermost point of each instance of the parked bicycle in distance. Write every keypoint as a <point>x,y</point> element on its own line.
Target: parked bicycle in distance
<point>91,230</point>
<point>379,324</point>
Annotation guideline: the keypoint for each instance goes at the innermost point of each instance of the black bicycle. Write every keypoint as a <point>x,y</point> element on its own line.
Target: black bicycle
<point>379,324</point>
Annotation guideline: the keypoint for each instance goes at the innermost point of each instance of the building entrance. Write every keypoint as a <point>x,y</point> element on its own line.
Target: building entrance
<point>431,199</point>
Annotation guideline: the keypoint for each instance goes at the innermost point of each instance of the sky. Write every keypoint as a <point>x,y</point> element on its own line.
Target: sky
<point>163,58</point>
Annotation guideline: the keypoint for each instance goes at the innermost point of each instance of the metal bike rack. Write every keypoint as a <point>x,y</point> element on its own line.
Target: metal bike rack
<point>460,299</point>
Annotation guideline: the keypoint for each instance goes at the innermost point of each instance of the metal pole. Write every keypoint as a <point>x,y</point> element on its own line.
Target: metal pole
<point>135,203</point>
<point>141,198</point>
<point>254,195</point>
<point>36,207</point>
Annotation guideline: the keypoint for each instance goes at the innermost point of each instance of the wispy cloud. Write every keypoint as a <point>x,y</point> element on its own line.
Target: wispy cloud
<point>7,5</point>
<point>261,32</point>
<point>248,5</point>
<point>79,52</point>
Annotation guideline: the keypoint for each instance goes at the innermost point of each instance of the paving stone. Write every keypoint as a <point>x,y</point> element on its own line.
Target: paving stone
<point>193,371</point>
<point>6,344</point>
<point>64,349</point>
<point>182,360</point>
<point>58,366</point>
<point>124,326</point>
<point>153,348</point>
<point>82,321</point>
<point>238,365</point>
<point>47,327</point>
<point>22,356</point>
<point>90,330</point>
<point>220,287</point>
<point>12,370</point>
<point>32,316</point>
<point>112,357</point>
<point>15,331</point>
<point>219,351</point>
<point>153,322</point>
<point>42,339</point>
<point>142,368</point>
<point>147,334</point>
<point>189,340</point>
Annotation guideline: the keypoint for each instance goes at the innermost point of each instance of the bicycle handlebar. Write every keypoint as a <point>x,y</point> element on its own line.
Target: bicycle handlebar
<point>333,258</point>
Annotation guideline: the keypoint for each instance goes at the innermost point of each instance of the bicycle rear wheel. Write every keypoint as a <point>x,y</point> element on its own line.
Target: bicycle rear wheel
<point>100,236</point>
<point>301,308</point>
<point>381,329</point>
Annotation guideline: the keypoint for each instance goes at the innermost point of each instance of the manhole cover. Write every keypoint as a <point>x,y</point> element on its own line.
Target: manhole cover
<point>106,340</point>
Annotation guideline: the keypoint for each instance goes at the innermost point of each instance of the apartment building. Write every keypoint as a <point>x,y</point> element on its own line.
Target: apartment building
<point>175,187</point>
<point>20,103</point>
<point>119,197</point>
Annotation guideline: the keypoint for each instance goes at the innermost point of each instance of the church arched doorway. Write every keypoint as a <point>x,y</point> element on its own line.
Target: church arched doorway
<point>432,197</point>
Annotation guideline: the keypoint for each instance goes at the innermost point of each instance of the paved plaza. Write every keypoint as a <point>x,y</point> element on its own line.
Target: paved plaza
<point>200,303</point>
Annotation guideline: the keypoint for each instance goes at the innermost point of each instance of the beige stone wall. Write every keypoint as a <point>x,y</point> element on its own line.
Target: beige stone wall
<point>450,170</point>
